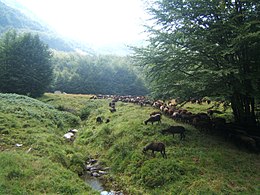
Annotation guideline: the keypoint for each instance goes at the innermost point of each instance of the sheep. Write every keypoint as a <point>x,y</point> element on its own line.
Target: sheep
<point>155,112</point>
<point>112,104</point>
<point>153,119</point>
<point>113,109</point>
<point>156,146</point>
<point>69,136</point>
<point>99,119</point>
<point>175,129</point>
<point>73,131</point>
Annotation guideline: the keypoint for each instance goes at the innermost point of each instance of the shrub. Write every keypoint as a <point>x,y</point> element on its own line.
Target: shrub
<point>84,113</point>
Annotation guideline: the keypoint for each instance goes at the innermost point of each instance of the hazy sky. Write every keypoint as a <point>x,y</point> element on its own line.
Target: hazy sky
<point>97,22</point>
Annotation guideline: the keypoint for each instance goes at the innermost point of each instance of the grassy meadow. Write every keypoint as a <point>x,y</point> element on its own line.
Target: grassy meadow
<point>48,164</point>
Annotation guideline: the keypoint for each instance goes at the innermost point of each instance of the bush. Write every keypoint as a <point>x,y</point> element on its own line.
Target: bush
<point>84,113</point>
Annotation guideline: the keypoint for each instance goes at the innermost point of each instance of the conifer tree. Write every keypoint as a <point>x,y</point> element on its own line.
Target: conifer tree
<point>25,63</point>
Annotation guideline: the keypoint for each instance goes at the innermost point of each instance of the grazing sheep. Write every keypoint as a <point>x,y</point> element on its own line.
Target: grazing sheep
<point>112,109</point>
<point>112,104</point>
<point>155,113</point>
<point>210,112</point>
<point>99,119</point>
<point>73,131</point>
<point>153,119</point>
<point>69,136</point>
<point>175,129</point>
<point>156,146</point>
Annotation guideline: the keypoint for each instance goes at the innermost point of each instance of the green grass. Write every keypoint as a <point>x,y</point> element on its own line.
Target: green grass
<point>26,174</point>
<point>201,164</point>
<point>39,127</point>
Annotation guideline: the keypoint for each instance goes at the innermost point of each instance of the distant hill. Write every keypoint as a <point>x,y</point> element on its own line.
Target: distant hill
<point>12,18</point>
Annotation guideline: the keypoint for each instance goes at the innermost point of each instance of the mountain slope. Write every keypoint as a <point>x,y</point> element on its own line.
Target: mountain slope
<point>11,18</point>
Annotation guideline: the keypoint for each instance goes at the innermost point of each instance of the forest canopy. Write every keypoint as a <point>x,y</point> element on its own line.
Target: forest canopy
<point>104,74</point>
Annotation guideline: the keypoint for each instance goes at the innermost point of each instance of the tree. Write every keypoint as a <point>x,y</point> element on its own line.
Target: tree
<point>25,64</point>
<point>104,74</point>
<point>199,47</point>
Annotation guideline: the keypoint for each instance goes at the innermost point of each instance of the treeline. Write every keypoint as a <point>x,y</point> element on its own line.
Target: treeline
<point>29,67</point>
<point>104,74</point>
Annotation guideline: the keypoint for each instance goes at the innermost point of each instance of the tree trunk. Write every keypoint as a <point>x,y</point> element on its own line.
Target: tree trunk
<point>244,111</point>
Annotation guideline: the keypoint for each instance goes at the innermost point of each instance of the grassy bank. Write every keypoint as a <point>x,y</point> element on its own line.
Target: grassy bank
<point>34,157</point>
<point>200,164</point>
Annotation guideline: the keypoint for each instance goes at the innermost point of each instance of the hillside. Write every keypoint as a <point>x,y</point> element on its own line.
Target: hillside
<point>12,18</point>
<point>200,164</point>
<point>34,158</point>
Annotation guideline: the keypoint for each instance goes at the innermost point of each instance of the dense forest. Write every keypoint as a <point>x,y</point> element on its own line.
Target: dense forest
<point>103,74</point>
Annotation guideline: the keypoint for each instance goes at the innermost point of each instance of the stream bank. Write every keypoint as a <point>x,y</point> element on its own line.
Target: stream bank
<point>94,177</point>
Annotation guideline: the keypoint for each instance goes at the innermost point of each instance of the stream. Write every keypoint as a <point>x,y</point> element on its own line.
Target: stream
<point>93,182</point>
<point>93,177</point>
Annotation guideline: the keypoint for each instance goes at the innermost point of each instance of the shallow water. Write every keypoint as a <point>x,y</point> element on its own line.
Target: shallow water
<point>94,182</point>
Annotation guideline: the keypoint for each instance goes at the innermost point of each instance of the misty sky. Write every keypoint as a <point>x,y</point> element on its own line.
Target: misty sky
<point>98,22</point>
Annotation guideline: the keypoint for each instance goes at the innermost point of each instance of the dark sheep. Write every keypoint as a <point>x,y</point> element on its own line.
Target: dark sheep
<point>112,109</point>
<point>175,130</point>
<point>210,112</point>
<point>155,113</point>
<point>99,119</point>
<point>153,119</point>
<point>112,104</point>
<point>156,146</point>
<point>108,120</point>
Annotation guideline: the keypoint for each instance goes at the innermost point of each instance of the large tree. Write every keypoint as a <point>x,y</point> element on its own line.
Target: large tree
<point>25,63</point>
<point>205,47</point>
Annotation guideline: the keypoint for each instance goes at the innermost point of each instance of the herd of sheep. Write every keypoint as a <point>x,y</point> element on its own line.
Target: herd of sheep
<point>202,121</point>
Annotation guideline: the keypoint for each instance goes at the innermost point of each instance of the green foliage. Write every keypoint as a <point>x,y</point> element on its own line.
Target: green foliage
<point>25,64</point>
<point>200,48</point>
<point>96,75</point>
<point>84,113</point>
